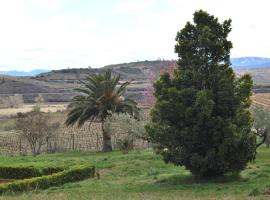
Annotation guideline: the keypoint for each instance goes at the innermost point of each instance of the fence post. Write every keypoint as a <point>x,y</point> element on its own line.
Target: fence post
<point>20,146</point>
<point>73,142</point>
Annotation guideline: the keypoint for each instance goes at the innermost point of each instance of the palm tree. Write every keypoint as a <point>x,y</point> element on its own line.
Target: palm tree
<point>101,97</point>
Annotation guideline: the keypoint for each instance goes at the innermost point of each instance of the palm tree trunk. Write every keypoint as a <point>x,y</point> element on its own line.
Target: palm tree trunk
<point>107,143</point>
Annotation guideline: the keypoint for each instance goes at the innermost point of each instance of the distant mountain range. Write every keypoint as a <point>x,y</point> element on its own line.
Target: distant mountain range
<point>237,63</point>
<point>250,62</point>
<point>24,73</point>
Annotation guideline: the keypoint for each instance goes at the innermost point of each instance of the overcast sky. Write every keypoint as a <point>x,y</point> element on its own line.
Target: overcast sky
<point>54,34</point>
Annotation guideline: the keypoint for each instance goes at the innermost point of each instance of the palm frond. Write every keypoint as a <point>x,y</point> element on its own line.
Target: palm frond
<point>83,90</point>
<point>122,88</point>
<point>100,97</point>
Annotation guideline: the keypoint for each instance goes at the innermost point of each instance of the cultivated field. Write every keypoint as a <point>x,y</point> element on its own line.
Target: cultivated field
<point>46,107</point>
<point>69,138</point>
<point>262,99</point>
<point>86,138</point>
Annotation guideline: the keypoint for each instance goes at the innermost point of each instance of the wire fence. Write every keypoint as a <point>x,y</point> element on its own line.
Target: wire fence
<point>86,138</point>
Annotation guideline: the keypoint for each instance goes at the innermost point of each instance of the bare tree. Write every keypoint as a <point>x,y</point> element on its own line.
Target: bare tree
<point>37,129</point>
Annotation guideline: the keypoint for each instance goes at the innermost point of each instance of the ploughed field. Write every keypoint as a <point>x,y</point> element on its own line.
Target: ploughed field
<point>142,174</point>
<point>44,107</point>
<point>258,98</point>
<point>261,99</point>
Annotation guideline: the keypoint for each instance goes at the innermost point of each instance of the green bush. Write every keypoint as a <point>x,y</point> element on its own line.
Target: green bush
<point>255,192</point>
<point>18,172</point>
<point>51,170</point>
<point>12,172</point>
<point>75,173</point>
<point>125,144</point>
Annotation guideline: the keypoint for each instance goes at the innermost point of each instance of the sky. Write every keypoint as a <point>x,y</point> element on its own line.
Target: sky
<point>57,34</point>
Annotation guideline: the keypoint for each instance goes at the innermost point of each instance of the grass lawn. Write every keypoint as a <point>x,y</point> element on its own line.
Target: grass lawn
<point>143,175</point>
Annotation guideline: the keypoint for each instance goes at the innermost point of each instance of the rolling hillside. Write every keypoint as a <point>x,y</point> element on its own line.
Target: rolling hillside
<point>57,85</point>
<point>241,63</point>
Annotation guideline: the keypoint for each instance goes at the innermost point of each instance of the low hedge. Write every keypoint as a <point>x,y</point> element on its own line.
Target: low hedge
<point>18,172</point>
<point>51,170</point>
<point>75,173</point>
<point>10,172</point>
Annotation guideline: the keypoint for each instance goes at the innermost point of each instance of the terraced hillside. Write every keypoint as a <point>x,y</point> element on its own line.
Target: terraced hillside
<point>57,85</point>
<point>30,88</point>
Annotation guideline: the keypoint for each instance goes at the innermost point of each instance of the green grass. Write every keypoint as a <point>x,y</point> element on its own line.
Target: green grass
<point>143,175</point>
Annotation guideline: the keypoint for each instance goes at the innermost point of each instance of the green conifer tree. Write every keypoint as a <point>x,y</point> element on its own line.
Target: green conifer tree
<point>201,118</point>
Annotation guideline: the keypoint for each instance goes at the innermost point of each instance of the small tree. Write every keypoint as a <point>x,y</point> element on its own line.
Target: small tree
<point>37,129</point>
<point>39,100</point>
<point>261,124</point>
<point>201,118</point>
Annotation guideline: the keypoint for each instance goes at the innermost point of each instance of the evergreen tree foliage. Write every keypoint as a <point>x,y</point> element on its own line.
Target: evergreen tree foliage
<point>201,118</point>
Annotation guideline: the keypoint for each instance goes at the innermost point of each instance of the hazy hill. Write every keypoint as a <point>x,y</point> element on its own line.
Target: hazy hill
<point>136,71</point>
<point>237,63</point>
<point>128,71</point>
<point>57,85</point>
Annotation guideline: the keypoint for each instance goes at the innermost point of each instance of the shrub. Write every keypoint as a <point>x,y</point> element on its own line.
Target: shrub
<point>125,144</point>
<point>124,123</point>
<point>261,124</point>
<point>18,172</point>
<point>255,192</point>
<point>10,172</point>
<point>51,170</point>
<point>126,129</point>
<point>75,173</point>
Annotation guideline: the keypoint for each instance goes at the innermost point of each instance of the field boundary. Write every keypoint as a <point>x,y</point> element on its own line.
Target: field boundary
<point>86,138</point>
